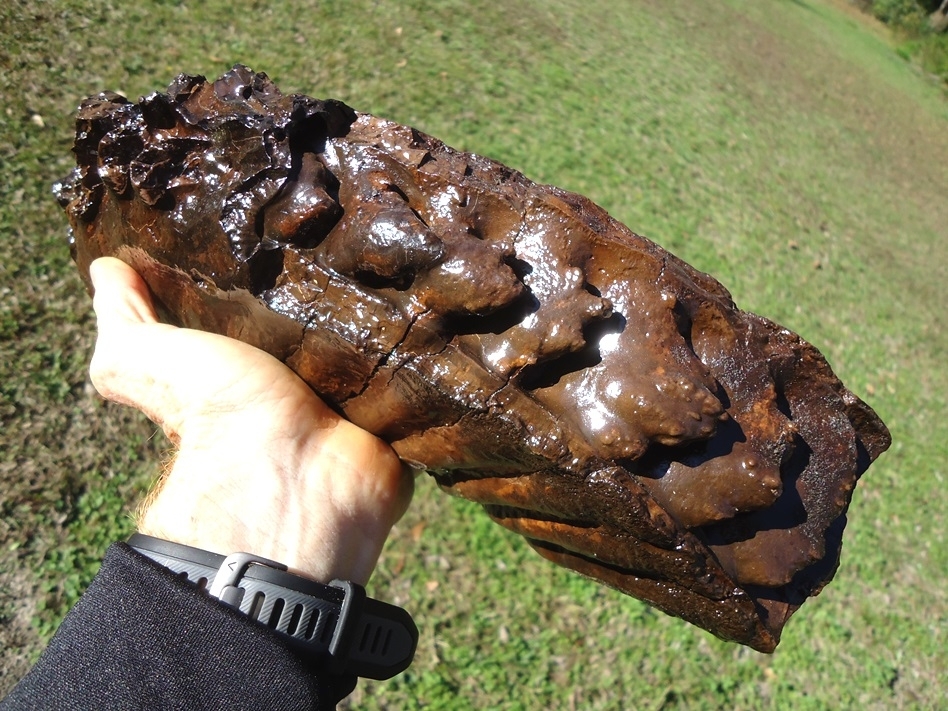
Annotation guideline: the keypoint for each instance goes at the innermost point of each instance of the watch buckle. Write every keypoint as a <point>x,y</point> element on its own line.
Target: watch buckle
<point>233,568</point>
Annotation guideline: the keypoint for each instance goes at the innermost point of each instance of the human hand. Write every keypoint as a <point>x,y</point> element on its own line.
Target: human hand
<point>262,464</point>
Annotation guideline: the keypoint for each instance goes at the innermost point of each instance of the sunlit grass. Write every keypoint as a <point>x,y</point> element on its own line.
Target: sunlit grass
<point>774,144</point>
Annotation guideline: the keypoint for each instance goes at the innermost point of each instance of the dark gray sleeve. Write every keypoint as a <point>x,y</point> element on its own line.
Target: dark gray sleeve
<point>142,638</point>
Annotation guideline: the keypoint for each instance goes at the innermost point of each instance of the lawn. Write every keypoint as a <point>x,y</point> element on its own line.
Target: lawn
<point>781,145</point>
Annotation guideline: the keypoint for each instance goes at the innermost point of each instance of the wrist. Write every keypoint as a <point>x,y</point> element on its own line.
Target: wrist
<point>323,514</point>
<point>227,504</point>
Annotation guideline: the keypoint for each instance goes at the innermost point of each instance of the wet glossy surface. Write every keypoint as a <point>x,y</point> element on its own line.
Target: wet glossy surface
<point>595,393</point>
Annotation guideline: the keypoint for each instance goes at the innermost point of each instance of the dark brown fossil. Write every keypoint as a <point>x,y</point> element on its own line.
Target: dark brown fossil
<point>595,393</point>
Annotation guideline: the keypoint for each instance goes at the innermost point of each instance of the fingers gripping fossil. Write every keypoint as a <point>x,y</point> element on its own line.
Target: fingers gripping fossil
<point>595,393</point>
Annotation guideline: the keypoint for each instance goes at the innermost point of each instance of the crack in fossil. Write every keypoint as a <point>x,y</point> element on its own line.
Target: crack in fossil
<point>387,357</point>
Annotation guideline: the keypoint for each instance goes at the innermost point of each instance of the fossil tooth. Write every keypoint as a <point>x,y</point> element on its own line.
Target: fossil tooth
<point>595,393</point>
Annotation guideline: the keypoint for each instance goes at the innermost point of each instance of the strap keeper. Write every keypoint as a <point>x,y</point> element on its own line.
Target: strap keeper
<point>346,624</point>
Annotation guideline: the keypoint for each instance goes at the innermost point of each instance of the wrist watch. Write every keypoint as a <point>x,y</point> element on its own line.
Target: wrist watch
<point>336,625</point>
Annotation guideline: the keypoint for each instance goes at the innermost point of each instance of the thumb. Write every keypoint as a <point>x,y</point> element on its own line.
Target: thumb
<point>122,368</point>
<point>174,375</point>
<point>121,295</point>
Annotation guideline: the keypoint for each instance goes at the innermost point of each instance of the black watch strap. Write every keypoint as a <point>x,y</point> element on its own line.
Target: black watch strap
<point>337,624</point>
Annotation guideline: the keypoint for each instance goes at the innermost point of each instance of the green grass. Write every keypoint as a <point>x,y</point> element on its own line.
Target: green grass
<point>781,146</point>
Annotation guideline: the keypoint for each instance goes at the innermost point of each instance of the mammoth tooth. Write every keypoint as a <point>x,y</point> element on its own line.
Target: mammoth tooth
<point>596,394</point>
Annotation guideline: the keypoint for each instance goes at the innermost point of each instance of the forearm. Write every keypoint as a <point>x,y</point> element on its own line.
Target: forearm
<point>264,467</point>
<point>142,638</point>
